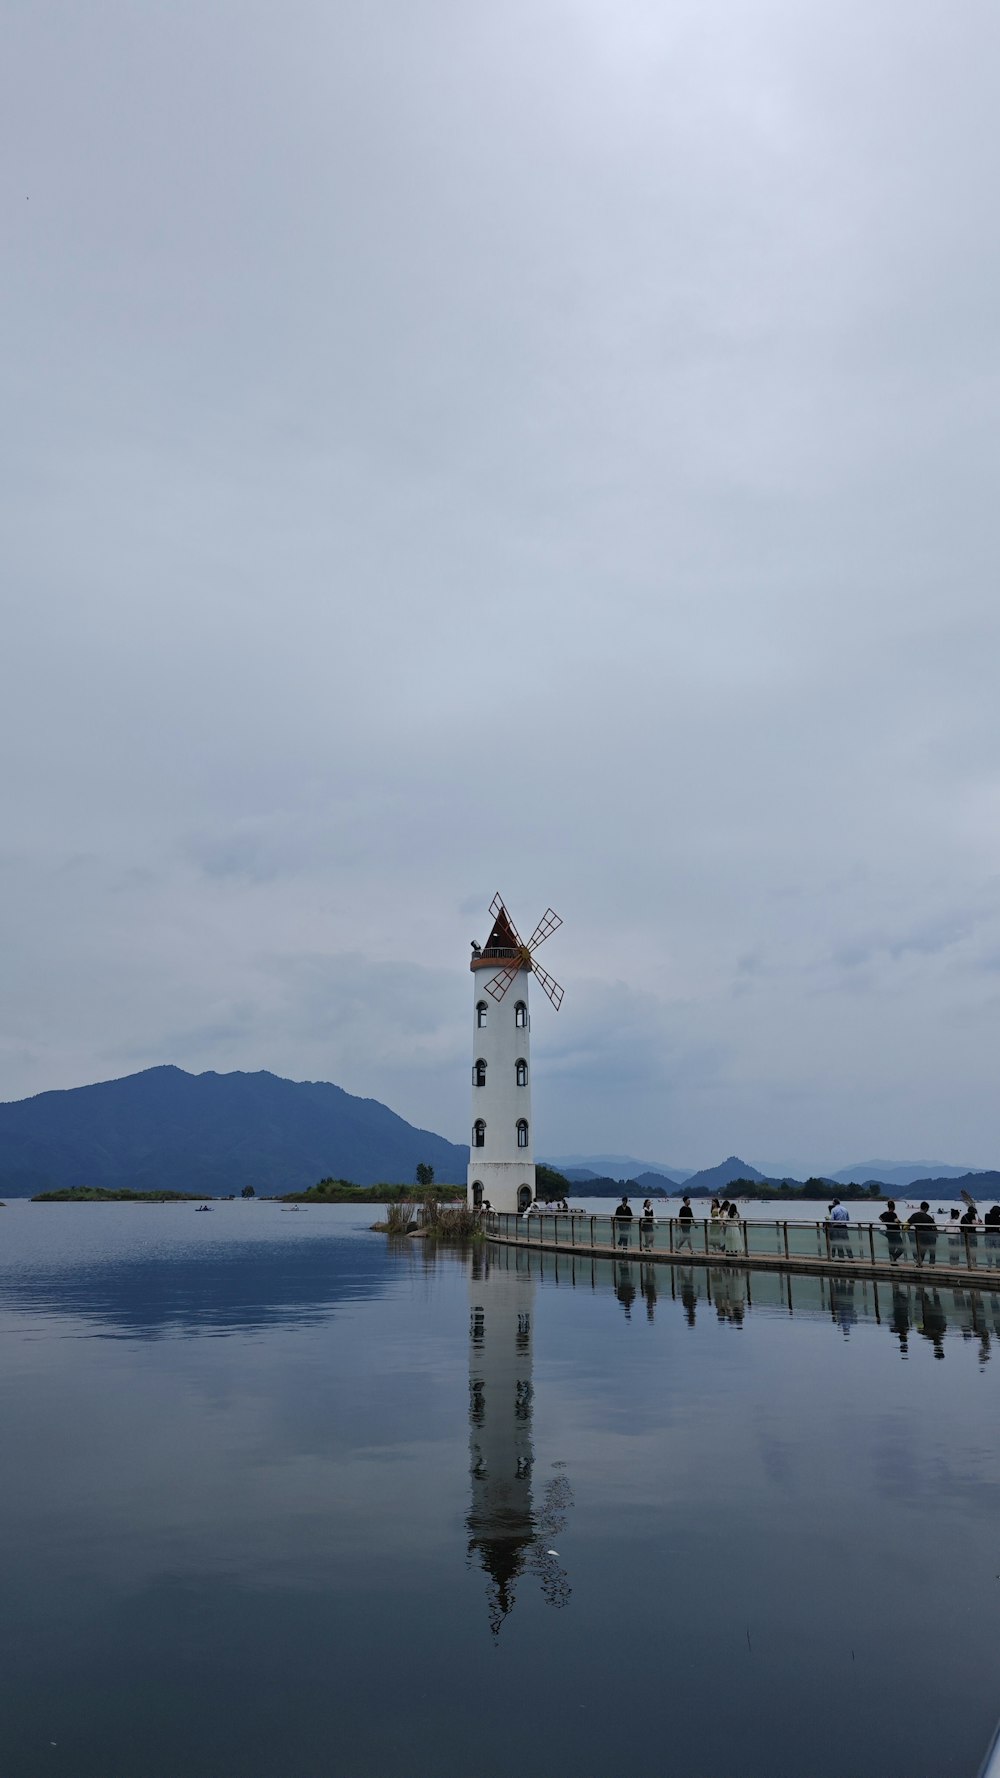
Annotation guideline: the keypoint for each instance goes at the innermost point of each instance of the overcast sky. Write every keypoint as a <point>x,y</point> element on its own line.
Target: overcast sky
<point>548,448</point>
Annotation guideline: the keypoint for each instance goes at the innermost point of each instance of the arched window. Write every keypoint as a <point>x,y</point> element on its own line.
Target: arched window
<point>480,1013</point>
<point>523,1197</point>
<point>522,1132</point>
<point>479,1133</point>
<point>477,1195</point>
<point>521,1014</point>
<point>479,1073</point>
<point>521,1071</point>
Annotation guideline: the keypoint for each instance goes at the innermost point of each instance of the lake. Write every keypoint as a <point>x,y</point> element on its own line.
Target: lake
<point>283,1499</point>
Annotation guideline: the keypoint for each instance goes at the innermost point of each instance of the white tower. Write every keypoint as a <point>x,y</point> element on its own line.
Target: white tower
<point>501,1153</point>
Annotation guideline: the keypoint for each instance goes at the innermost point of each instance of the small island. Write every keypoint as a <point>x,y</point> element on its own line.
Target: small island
<point>326,1191</point>
<point>99,1194</point>
<point>341,1191</point>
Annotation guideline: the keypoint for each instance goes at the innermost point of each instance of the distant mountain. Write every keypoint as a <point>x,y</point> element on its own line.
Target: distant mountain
<point>651,1183</point>
<point>712,1179</point>
<point>898,1173</point>
<point>613,1166</point>
<point>165,1129</point>
<point>978,1185</point>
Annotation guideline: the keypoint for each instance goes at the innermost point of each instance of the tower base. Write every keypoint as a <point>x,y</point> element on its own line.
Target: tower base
<point>507,1186</point>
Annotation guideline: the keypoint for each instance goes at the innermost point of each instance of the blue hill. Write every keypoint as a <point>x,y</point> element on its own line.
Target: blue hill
<point>166,1130</point>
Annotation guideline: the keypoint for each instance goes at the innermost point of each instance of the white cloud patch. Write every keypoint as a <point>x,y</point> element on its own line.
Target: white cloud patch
<point>547,450</point>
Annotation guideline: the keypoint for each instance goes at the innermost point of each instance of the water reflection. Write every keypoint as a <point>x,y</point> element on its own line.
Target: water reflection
<point>507,1530</point>
<point>232,1288</point>
<point>732,1293</point>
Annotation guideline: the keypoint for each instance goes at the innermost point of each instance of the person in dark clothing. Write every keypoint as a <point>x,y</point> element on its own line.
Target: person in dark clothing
<point>968,1226</point>
<point>893,1231</point>
<point>924,1235</point>
<point>992,1221</point>
<point>685,1217</point>
<point>623,1219</point>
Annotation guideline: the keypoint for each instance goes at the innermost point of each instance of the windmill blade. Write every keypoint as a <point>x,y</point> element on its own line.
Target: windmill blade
<point>498,984</point>
<point>496,910</point>
<point>549,923</point>
<point>551,986</point>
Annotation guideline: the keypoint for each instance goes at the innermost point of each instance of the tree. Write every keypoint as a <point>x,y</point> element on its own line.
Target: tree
<point>248,1192</point>
<point>425,1174</point>
<point>550,1184</point>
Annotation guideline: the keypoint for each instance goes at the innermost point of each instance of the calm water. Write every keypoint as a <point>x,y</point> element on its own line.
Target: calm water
<point>281,1500</point>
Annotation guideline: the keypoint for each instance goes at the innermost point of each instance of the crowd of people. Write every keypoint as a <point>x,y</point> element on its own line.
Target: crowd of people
<point>725,1225</point>
<point>923,1231</point>
<point>919,1230</point>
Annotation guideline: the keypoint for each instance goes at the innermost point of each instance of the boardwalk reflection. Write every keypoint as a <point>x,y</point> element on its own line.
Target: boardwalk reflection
<point>731,1294</point>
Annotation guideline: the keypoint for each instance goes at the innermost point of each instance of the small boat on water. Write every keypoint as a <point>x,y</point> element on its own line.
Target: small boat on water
<point>200,1207</point>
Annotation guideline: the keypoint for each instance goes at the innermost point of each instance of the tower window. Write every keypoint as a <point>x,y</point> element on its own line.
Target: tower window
<point>522,1132</point>
<point>479,1073</point>
<point>479,1133</point>
<point>480,1013</point>
<point>521,1014</point>
<point>521,1071</point>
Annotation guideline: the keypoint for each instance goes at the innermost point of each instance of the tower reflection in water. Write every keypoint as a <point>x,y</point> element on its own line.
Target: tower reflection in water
<point>513,1520</point>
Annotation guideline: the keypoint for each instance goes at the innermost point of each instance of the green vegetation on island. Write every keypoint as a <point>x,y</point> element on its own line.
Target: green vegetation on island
<point>99,1194</point>
<point>551,1184</point>
<point>454,1225</point>
<point>342,1191</point>
<point>795,1189</point>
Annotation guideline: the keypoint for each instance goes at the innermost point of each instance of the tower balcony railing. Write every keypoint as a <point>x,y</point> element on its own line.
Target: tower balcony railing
<point>495,954</point>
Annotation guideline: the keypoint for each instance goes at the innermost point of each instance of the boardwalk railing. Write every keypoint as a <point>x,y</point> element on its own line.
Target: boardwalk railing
<point>808,1244</point>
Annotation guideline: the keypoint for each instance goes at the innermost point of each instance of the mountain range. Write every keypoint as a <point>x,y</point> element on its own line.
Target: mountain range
<point>579,1167</point>
<point>166,1130</point>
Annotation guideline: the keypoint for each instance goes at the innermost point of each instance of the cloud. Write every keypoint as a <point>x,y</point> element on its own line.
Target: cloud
<point>547,451</point>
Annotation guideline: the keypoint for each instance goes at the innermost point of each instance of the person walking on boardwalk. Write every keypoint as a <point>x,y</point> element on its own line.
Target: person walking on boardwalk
<point>840,1241</point>
<point>992,1221</point>
<point>955,1237</point>
<point>893,1231</point>
<point>968,1225</point>
<point>715,1235</point>
<point>924,1231</point>
<point>685,1217</point>
<point>734,1236</point>
<point>623,1219</point>
<point>647,1225</point>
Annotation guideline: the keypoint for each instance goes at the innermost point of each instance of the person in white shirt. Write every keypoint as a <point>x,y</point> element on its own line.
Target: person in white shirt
<point>840,1246</point>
